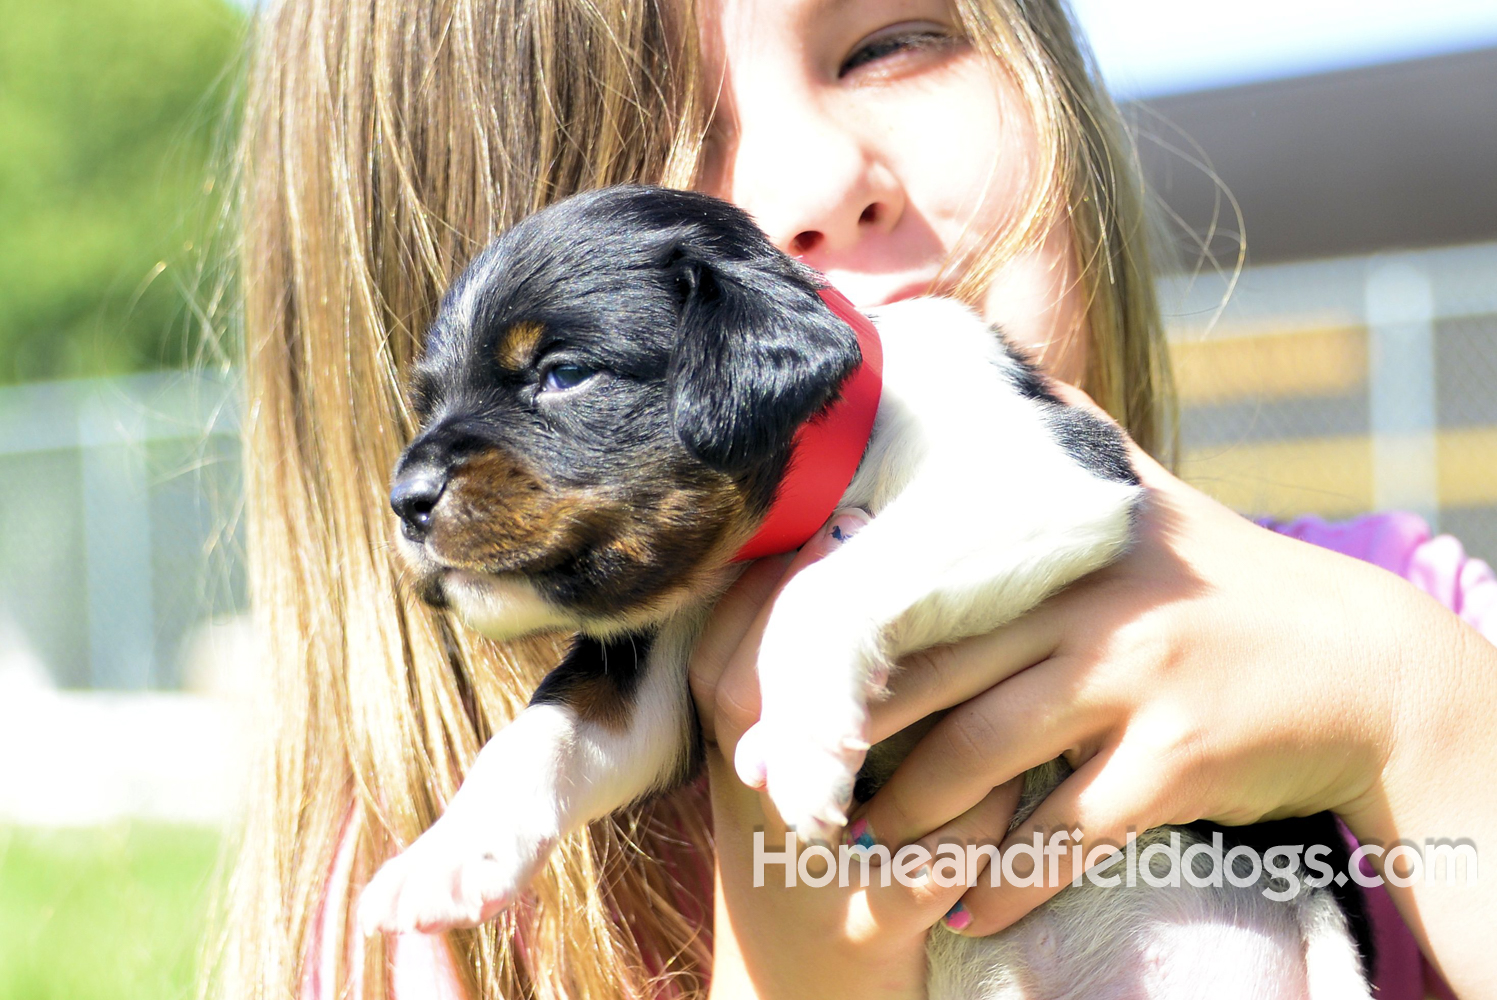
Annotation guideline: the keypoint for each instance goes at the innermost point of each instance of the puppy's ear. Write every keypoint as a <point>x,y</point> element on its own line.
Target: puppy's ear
<point>758,353</point>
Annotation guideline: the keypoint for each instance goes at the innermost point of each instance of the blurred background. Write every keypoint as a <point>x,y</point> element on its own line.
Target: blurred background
<point>1329,171</point>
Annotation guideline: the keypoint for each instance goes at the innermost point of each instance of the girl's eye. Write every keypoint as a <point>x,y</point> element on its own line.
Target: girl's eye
<point>899,40</point>
<point>564,377</point>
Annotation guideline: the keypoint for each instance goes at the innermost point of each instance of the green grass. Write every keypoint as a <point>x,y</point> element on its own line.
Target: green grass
<point>112,913</point>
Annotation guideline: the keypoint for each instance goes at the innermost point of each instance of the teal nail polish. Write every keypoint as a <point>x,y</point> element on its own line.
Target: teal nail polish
<point>860,834</point>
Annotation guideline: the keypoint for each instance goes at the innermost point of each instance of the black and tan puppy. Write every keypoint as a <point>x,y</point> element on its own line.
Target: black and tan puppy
<point>613,398</point>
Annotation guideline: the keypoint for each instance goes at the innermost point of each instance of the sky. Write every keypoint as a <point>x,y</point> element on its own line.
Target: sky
<point>1157,47</point>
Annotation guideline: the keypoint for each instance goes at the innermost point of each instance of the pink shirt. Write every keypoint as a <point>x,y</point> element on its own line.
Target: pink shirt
<point>422,967</point>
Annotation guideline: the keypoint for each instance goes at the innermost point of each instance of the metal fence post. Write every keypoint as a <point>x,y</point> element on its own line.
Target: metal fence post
<point>117,545</point>
<point>1401,388</point>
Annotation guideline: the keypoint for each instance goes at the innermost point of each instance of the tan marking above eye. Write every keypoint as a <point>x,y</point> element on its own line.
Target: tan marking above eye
<point>517,344</point>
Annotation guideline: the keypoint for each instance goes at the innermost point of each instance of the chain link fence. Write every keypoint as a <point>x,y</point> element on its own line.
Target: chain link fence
<point>118,546</point>
<point>1344,386</point>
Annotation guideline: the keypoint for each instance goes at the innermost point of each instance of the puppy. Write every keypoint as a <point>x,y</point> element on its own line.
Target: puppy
<point>618,400</point>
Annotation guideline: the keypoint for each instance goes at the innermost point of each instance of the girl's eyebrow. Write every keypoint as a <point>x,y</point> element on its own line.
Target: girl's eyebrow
<point>820,10</point>
<point>829,8</point>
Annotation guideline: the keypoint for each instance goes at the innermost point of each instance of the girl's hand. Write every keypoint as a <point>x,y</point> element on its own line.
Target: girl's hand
<point>1218,671</point>
<point>771,941</point>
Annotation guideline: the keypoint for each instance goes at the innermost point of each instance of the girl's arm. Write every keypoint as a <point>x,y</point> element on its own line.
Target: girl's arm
<point>1224,672</point>
<point>1219,671</point>
<point>1436,787</point>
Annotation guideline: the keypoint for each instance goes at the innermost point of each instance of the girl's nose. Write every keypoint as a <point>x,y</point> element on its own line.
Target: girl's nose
<point>819,187</point>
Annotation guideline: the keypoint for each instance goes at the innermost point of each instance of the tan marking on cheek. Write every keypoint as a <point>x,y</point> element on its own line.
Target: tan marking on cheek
<point>633,547</point>
<point>517,344</point>
<point>498,517</point>
<point>692,512</point>
<point>494,507</point>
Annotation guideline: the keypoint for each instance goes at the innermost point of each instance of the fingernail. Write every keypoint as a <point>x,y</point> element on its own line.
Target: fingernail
<point>958,918</point>
<point>846,523</point>
<point>860,834</point>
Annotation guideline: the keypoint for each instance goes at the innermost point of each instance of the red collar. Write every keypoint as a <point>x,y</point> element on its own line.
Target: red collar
<point>827,449</point>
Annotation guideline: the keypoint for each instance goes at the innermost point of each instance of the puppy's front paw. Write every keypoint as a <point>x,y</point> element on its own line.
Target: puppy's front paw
<point>809,775</point>
<point>459,873</point>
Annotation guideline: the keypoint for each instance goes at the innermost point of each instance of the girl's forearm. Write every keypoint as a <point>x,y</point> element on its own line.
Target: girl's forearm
<point>1437,795</point>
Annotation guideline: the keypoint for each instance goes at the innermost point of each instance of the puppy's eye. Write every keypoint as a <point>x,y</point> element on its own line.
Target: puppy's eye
<point>563,377</point>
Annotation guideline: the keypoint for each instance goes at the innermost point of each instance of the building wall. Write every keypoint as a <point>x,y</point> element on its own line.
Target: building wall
<point>1402,155</point>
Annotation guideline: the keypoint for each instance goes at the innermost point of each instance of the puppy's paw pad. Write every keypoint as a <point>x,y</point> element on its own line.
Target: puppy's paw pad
<point>812,788</point>
<point>749,757</point>
<point>442,882</point>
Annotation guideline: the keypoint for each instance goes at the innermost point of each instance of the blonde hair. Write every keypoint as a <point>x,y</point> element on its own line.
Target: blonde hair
<point>383,143</point>
<point>1088,180</point>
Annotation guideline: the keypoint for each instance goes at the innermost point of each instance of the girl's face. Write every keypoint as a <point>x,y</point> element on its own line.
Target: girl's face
<point>870,139</point>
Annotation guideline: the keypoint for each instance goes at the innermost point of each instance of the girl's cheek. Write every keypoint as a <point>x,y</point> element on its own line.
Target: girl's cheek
<point>1038,301</point>
<point>985,193</point>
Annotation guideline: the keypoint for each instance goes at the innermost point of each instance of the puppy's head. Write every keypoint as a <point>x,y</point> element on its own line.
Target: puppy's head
<point>607,399</point>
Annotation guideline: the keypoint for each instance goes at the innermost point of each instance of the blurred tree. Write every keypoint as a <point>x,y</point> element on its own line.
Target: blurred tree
<point>110,111</point>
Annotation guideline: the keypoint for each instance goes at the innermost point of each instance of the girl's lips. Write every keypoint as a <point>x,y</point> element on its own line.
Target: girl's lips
<point>869,291</point>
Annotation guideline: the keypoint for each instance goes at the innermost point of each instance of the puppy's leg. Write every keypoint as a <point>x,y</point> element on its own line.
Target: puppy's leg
<point>611,724</point>
<point>1332,965</point>
<point>910,579</point>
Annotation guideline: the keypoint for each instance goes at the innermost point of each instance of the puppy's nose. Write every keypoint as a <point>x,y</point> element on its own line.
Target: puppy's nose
<point>414,496</point>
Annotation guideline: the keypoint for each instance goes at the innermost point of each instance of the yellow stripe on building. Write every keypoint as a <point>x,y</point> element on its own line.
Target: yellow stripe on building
<point>1467,467</point>
<point>1330,476</point>
<point>1324,362</point>
<point>1334,476</point>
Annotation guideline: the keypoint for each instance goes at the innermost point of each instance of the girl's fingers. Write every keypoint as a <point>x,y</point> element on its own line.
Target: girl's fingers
<point>937,678</point>
<point>1089,813</point>
<point>1026,721</point>
<point>982,825</point>
<point>918,903</point>
<point>732,619</point>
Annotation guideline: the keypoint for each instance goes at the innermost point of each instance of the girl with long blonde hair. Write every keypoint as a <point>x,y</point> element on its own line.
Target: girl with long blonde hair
<point>899,146</point>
